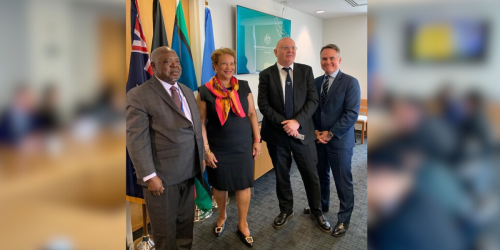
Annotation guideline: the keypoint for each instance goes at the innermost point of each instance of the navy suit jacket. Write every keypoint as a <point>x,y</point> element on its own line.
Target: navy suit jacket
<point>341,109</point>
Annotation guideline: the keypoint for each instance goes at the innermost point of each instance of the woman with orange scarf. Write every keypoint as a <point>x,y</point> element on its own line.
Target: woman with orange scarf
<point>232,138</point>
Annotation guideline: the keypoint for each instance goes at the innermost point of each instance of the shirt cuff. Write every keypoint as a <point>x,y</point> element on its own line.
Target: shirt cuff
<point>149,177</point>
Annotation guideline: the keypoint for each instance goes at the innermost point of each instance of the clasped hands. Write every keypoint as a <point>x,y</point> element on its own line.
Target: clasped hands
<point>291,127</point>
<point>322,136</point>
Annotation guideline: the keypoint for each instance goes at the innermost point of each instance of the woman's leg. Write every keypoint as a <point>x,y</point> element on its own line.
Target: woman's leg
<point>221,199</point>
<point>243,202</point>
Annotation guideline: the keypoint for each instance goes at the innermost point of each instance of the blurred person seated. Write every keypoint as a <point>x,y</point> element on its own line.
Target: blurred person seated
<point>449,106</point>
<point>413,124</point>
<point>47,115</point>
<point>416,201</point>
<point>475,136</point>
<point>106,111</point>
<point>18,121</point>
<point>401,216</point>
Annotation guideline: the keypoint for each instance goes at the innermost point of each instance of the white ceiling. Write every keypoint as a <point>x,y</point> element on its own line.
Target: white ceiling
<point>333,8</point>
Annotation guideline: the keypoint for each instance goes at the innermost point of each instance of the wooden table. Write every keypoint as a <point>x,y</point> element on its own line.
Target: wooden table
<point>74,196</point>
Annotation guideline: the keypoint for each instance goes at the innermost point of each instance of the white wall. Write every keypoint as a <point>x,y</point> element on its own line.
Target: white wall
<point>307,32</point>
<point>14,62</point>
<point>350,34</point>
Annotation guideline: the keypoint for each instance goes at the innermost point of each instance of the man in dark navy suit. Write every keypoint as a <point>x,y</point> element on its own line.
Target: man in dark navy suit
<point>288,100</point>
<point>334,126</point>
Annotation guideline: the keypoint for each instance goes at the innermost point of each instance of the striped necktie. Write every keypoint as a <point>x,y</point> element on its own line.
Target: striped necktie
<point>324,94</point>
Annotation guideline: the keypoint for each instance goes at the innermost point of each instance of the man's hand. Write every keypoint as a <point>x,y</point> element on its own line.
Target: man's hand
<point>323,137</point>
<point>290,127</point>
<point>318,133</point>
<point>294,134</point>
<point>155,186</point>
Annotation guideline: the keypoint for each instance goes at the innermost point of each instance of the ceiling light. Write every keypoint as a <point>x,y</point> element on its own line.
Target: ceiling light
<point>320,11</point>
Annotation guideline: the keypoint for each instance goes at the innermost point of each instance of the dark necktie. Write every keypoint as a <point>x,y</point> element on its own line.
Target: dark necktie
<point>288,95</point>
<point>324,94</point>
<point>175,97</point>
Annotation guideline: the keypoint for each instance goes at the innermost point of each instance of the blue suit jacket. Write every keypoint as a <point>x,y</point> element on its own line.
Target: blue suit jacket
<point>341,109</point>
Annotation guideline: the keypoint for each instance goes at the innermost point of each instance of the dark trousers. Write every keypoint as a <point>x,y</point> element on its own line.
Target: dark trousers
<point>339,160</point>
<point>172,215</point>
<point>306,158</point>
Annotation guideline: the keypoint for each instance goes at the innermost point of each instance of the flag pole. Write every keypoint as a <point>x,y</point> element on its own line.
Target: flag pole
<point>199,215</point>
<point>146,243</point>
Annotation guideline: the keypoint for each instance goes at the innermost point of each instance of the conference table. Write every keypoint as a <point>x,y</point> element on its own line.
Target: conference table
<point>67,195</point>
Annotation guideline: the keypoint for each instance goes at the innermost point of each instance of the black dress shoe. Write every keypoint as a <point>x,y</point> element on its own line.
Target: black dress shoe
<point>323,224</point>
<point>281,220</point>
<point>248,240</point>
<point>218,230</point>
<point>307,210</point>
<point>340,229</point>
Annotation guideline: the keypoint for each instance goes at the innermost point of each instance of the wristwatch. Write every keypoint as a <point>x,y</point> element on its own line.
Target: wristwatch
<point>330,134</point>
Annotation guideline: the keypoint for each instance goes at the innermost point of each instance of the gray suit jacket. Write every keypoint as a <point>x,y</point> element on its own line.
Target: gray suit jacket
<point>159,137</point>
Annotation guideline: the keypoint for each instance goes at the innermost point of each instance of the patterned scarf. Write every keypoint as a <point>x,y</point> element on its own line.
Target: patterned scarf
<point>225,99</point>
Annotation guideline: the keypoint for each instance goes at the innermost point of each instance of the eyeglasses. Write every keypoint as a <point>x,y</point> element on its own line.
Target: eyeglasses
<point>288,47</point>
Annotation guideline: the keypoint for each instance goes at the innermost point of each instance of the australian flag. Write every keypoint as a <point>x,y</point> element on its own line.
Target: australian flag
<point>139,71</point>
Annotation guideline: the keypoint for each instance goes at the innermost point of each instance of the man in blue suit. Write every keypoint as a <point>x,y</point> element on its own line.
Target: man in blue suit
<point>334,126</point>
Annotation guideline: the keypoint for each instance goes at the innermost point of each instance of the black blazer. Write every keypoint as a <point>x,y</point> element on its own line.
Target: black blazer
<point>341,110</point>
<point>271,103</point>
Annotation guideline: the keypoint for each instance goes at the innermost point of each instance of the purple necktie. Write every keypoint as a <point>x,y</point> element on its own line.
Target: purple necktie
<point>175,97</point>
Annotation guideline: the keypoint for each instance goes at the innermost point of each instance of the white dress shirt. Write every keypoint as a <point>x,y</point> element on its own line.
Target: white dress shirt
<point>185,107</point>
<point>283,77</point>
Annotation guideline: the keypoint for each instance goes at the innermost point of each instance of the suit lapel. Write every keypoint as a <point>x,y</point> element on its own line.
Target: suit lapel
<point>334,86</point>
<point>277,80</point>
<point>162,92</point>
<point>297,89</point>
<point>319,82</point>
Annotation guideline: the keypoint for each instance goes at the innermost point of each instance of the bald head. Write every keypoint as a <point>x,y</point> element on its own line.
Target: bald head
<point>166,65</point>
<point>284,40</point>
<point>285,51</point>
<point>160,50</point>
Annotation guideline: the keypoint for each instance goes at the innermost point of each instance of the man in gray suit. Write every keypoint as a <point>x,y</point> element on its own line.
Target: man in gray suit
<point>165,144</point>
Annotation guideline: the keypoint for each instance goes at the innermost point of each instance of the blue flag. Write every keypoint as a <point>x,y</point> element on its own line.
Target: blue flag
<point>181,45</point>
<point>207,72</point>
<point>139,71</point>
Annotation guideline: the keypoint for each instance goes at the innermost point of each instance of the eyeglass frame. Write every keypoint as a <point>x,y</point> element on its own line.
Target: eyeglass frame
<point>294,48</point>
